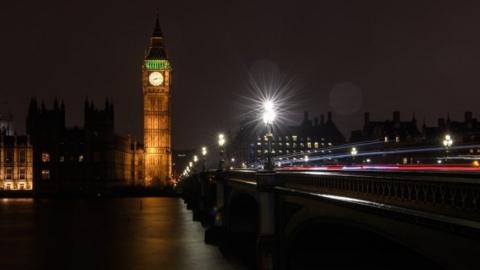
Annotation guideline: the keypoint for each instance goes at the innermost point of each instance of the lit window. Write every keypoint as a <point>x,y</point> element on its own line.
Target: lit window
<point>9,155</point>
<point>386,138</point>
<point>315,145</point>
<point>21,157</point>
<point>45,157</point>
<point>259,143</point>
<point>294,137</point>
<point>309,145</point>
<point>80,158</point>
<point>8,173</point>
<point>397,139</point>
<point>21,173</point>
<point>62,159</point>
<point>329,144</point>
<point>45,174</point>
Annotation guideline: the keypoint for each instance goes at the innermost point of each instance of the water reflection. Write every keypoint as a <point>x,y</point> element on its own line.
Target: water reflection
<point>130,233</point>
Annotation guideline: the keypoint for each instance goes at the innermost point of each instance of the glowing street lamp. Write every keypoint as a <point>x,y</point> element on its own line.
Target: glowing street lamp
<point>204,157</point>
<point>353,152</point>
<point>221,143</point>
<point>269,116</point>
<point>447,143</point>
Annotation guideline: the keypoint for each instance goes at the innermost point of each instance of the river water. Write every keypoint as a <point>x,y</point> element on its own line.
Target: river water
<point>126,233</point>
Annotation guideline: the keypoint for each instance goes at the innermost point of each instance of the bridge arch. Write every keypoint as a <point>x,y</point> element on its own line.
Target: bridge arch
<point>328,241</point>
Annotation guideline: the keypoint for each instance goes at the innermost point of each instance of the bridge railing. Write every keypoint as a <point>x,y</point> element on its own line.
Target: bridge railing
<point>440,193</point>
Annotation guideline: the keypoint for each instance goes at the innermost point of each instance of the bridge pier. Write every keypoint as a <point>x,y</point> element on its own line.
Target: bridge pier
<point>216,225</point>
<point>267,238</point>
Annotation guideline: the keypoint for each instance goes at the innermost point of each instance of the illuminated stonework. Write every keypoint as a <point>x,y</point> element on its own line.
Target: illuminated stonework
<point>157,64</point>
<point>157,121</point>
<point>15,163</point>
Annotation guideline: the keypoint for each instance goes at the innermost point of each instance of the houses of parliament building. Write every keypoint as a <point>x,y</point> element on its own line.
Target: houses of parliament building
<point>53,158</point>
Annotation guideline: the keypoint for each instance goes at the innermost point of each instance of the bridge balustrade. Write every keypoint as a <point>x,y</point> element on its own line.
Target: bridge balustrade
<point>442,194</point>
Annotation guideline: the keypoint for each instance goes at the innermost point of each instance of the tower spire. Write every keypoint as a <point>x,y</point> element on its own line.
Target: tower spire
<point>156,49</point>
<point>157,31</point>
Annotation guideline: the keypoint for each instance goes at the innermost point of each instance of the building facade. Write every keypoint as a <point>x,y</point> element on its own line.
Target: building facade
<point>250,144</point>
<point>394,130</point>
<point>156,78</point>
<point>81,160</point>
<point>16,172</point>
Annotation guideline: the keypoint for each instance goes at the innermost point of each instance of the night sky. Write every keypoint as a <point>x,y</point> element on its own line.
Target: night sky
<point>345,56</point>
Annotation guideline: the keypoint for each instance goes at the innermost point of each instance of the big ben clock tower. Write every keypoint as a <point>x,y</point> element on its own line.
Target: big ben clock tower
<point>156,79</point>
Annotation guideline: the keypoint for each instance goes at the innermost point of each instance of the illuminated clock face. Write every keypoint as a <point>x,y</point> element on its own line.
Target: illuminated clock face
<point>155,78</point>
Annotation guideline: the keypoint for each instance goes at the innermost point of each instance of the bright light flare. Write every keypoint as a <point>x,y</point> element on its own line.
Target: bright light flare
<point>448,141</point>
<point>204,151</point>
<point>195,158</point>
<point>273,91</point>
<point>269,113</point>
<point>268,105</point>
<point>221,139</point>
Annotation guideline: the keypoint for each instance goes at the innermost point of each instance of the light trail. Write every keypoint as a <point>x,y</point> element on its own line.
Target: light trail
<point>388,167</point>
<point>377,153</point>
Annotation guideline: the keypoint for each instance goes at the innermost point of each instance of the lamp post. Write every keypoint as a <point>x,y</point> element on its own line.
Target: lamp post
<point>195,160</point>
<point>204,157</point>
<point>353,152</point>
<point>221,143</point>
<point>268,118</point>
<point>447,143</point>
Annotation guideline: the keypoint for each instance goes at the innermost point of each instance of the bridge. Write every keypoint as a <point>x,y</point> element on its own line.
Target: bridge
<point>341,220</point>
